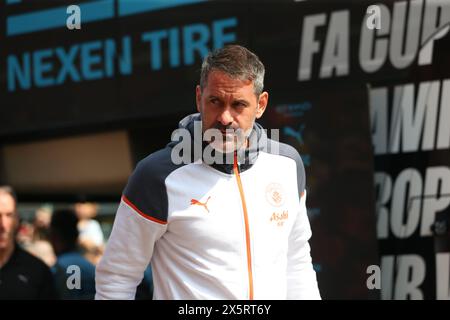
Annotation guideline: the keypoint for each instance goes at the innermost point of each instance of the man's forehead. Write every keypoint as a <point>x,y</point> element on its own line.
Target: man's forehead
<point>221,80</point>
<point>227,95</point>
<point>229,92</point>
<point>7,203</point>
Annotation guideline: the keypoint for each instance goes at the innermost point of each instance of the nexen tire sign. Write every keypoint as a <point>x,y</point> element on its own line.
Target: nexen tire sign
<point>405,64</point>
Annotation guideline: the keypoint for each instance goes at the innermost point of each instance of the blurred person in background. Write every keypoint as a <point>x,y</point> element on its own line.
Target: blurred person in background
<point>24,233</point>
<point>22,276</point>
<point>64,238</point>
<point>40,245</point>
<point>91,237</point>
<point>42,219</point>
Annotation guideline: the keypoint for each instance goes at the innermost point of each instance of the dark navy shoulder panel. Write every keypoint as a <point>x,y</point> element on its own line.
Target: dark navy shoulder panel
<point>282,149</point>
<point>146,188</point>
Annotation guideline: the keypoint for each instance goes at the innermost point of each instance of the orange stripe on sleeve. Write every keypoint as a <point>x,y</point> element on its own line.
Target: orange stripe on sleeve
<point>146,216</point>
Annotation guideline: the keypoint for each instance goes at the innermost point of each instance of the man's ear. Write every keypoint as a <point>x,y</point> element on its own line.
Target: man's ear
<point>262,104</point>
<point>198,97</point>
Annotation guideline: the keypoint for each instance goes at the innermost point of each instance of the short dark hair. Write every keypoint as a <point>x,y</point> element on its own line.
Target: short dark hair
<point>65,225</point>
<point>237,62</point>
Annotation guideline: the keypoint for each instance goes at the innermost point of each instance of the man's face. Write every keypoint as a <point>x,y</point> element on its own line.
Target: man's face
<point>227,103</point>
<point>8,220</point>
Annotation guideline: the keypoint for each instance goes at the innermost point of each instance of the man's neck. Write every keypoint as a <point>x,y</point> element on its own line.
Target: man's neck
<point>5,254</point>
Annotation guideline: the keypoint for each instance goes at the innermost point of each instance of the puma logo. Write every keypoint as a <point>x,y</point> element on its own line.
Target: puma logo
<point>203,204</point>
<point>297,134</point>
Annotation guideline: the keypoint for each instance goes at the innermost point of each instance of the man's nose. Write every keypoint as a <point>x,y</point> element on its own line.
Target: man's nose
<point>225,117</point>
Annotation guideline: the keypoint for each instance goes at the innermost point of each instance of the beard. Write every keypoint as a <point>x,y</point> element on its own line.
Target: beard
<point>226,139</point>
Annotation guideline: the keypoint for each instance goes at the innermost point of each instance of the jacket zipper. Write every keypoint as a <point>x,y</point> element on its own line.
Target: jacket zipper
<point>247,229</point>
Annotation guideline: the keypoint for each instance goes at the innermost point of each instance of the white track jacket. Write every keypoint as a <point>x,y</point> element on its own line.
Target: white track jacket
<point>237,231</point>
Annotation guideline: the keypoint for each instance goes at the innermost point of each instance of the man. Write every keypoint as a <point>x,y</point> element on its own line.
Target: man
<point>22,276</point>
<point>90,232</point>
<point>222,229</point>
<point>64,239</point>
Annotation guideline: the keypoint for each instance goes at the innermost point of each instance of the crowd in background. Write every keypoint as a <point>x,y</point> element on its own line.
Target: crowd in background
<point>34,237</point>
<point>54,255</point>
